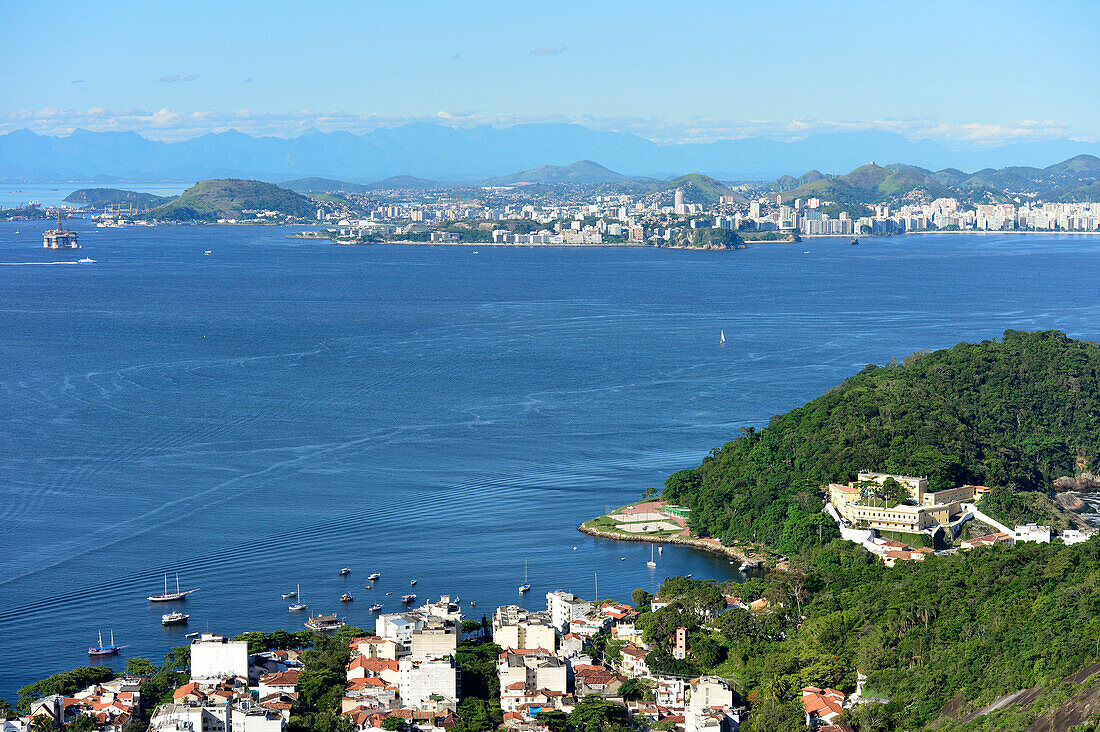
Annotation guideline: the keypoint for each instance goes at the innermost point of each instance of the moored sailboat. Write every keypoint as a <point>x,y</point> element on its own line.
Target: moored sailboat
<point>171,596</point>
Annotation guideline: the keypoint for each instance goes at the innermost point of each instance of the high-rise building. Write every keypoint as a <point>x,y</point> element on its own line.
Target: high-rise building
<point>678,203</point>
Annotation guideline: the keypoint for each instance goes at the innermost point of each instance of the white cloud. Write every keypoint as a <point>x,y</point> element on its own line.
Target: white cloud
<point>166,124</point>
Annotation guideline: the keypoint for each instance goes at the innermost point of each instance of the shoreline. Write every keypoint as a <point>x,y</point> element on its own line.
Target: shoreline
<point>692,542</point>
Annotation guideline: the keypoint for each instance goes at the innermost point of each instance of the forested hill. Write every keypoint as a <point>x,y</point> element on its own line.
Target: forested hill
<point>229,198</point>
<point>1013,414</point>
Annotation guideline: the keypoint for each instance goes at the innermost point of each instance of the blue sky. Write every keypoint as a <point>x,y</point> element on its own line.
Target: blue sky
<point>964,73</point>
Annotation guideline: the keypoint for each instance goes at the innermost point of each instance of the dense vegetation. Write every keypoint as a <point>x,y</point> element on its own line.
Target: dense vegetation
<point>1013,414</point>
<point>112,196</point>
<point>228,198</point>
<point>962,629</point>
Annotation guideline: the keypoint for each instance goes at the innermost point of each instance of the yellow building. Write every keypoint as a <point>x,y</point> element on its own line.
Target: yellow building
<point>926,510</point>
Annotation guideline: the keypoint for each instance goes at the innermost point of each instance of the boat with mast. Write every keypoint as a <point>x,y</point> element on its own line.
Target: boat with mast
<point>298,606</point>
<point>526,585</point>
<point>102,650</point>
<point>171,596</point>
<point>651,564</point>
<point>722,338</point>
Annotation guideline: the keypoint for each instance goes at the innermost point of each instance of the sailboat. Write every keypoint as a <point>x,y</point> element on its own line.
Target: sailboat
<point>722,338</point>
<point>526,585</point>
<point>170,596</point>
<point>651,563</point>
<point>102,650</point>
<point>298,606</point>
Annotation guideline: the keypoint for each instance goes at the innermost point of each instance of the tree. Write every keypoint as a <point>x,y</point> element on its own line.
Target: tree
<point>636,689</point>
<point>138,666</point>
<point>82,723</point>
<point>640,598</point>
<point>393,723</point>
<point>593,714</point>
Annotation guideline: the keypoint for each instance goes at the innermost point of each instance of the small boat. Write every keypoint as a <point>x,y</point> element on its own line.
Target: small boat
<point>651,564</point>
<point>722,338</point>
<point>207,253</point>
<point>289,595</point>
<point>322,623</point>
<point>412,582</point>
<point>660,550</point>
<point>346,597</point>
<point>526,585</point>
<point>389,593</point>
<point>574,548</point>
<point>743,567</point>
<point>622,559</point>
<point>376,607</point>
<point>171,596</point>
<point>688,576</point>
<point>853,242</point>
<point>297,606</point>
<point>102,650</point>
<point>345,572</point>
<point>473,603</point>
<point>373,577</point>
<point>407,598</point>
<point>192,635</point>
<point>368,587</point>
<point>86,260</point>
<point>174,618</point>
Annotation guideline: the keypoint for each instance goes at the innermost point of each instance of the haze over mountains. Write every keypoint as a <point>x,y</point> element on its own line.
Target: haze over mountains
<point>465,154</point>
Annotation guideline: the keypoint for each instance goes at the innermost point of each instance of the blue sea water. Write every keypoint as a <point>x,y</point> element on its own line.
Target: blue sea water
<point>260,417</point>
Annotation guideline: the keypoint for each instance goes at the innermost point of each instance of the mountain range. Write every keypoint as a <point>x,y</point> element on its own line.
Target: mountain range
<point>1075,179</point>
<point>439,152</point>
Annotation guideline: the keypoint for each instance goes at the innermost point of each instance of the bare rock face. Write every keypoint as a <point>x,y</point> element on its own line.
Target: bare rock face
<point>1085,481</point>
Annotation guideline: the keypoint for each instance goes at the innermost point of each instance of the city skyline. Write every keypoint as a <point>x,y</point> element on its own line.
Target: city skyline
<point>967,76</point>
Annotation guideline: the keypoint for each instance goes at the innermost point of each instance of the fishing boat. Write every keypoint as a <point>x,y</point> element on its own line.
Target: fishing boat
<point>376,607</point>
<point>412,582</point>
<point>722,338</point>
<point>324,623</point>
<point>345,572</point>
<point>102,650</point>
<point>171,596</point>
<point>373,577</point>
<point>346,597</point>
<point>408,598</point>
<point>297,606</point>
<point>651,564</point>
<point>86,260</point>
<point>174,618</point>
<point>526,585</point>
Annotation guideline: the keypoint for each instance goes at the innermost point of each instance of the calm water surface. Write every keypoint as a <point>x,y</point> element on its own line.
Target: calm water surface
<point>265,415</point>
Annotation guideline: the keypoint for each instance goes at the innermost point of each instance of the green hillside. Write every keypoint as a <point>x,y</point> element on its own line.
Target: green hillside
<point>698,188</point>
<point>1069,180</point>
<point>112,197</point>
<point>229,198</point>
<point>870,184</point>
<point>1013,414</point>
